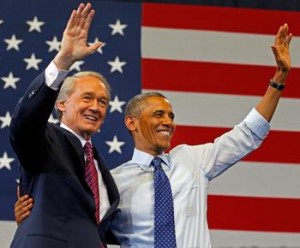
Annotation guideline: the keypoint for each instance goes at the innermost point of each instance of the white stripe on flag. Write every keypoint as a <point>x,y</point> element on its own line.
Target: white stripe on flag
<point>211,46</point>
<point>259,180</point>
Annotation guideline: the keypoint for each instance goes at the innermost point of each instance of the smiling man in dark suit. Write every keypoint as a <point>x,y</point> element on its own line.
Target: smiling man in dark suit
<point>67,212</point>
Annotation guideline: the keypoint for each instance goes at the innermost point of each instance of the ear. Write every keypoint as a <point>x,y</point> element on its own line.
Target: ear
<point>131,122</point>
<point>60,106</point>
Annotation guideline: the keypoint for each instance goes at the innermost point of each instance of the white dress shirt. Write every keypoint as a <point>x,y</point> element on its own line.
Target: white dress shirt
<point>189,169</point>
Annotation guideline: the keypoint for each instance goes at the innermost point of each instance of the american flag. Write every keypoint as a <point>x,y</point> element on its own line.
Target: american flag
<point>212,62</point>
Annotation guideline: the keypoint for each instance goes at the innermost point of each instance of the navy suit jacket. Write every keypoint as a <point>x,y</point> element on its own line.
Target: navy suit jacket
<point>52,172</point>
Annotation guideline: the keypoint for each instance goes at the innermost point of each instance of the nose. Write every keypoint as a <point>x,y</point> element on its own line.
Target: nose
<point>167,120</point>
<point>94,105</point>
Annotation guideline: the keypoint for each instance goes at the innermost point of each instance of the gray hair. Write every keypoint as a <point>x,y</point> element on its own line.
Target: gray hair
<point>67,87</point>
<point>137,103</point>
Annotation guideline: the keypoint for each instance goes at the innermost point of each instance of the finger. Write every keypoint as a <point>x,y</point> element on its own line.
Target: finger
<point>284,32</point>
<point>27,204</point>
<point>21,217</point>
<point>21,200</point>
<point>282,36</point>
<point>23,205</point>
<point>74,18</point>
<point>278,38</point>
<point>27,207</point>
<point>26,214</point>
<point>80,8</point>
<point>289,38</point>
<point>89,19</point>
<point>86,17</point>
<point>23,209</point>
<point>85,11</point>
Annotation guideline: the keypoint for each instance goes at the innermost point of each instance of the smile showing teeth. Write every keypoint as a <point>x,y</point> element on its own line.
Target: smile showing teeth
<point>91,118</point>
<point>164,132</point>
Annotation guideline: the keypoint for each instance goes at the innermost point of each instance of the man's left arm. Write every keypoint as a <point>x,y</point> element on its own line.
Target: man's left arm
<point>267,106</point>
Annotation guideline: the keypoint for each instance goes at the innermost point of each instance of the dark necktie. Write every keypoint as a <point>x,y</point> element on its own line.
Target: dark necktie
<point>91,175</point>
<point>164,227</point>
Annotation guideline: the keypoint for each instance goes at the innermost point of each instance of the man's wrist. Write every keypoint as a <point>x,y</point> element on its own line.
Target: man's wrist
<point>54,77</point>
<point>278,86</point>
<point>62,63</point>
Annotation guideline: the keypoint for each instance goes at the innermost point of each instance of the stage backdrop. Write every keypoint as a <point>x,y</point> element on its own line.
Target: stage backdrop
<point>214,64</point>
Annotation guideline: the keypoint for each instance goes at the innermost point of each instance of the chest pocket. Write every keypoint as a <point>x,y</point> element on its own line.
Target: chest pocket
<point>186,197</point>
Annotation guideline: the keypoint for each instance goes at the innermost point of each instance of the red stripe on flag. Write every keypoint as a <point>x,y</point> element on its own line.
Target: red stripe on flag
<point>270,151</point>
<point>213,77</point>
<point>212,18</point>
<point>253,213</point>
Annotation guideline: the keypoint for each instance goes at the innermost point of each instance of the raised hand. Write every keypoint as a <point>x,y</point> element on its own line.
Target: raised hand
<point>281,48</point>
<point>74,45</point>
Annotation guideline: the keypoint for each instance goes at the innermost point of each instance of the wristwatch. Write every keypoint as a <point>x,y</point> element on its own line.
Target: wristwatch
<point>277,86</point>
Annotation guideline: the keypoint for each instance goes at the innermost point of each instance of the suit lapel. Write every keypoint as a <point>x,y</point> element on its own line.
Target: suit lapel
<point>75,148</point>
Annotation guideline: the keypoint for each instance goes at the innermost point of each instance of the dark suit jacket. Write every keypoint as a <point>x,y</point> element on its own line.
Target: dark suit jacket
<point>52,172</point>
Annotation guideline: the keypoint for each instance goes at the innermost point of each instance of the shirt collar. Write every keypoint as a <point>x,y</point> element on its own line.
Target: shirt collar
<point>81,139</point>
<point>144,159</point>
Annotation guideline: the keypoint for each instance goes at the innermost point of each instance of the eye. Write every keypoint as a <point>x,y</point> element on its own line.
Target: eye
<point>103,102</point>
<point>172,116</point>
<point>157,114</point>
<point>87,98</point>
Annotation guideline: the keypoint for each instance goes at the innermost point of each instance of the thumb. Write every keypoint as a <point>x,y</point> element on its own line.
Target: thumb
<point>94,47</point>
<point>275,51</point>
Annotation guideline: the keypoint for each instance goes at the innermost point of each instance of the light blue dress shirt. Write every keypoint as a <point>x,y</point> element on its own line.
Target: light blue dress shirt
<point>189,169</point>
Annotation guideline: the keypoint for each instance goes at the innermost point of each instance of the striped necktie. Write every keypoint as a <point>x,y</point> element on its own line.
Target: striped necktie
<point>164,227</point>
<point>91,175</point>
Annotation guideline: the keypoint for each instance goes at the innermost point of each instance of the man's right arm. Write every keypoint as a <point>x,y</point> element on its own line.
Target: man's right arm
<point>32,112</point>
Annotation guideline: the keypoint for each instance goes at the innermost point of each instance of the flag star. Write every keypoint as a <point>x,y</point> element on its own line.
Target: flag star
<point>99,50</point>
<point>1,21</point>
<point>52,119</point>
<point>116,65</point>
<point>115,145</point>
<point>32,62</point>
<point>10,81</point>
<point>54,45</point>
<point>116,105</point>
<point>35,25</point>
<point>117,28</point>
<point>5,161</point>
<point>13,42</point>
<point>5,120</point>
<point>76,65</point>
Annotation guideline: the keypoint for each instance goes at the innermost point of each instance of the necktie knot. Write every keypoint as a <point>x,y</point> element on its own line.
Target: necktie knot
<point>88,149</point>
<point>156,163</point>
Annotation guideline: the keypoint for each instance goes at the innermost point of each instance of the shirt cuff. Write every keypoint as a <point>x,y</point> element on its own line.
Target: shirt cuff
<point>257,123</point>
<point>54,77</point>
